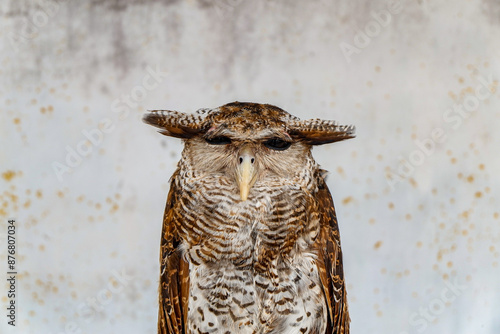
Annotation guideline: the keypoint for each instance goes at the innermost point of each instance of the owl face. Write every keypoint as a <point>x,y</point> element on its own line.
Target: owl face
<point>247,142</point>
<point>246,157</point>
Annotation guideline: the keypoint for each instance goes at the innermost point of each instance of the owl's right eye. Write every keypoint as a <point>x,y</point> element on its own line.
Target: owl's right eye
<point>221,140</point>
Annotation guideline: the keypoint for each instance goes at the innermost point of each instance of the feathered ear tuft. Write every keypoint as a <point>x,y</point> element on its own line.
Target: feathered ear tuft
<point>319,132</point>
<point>174,123</point>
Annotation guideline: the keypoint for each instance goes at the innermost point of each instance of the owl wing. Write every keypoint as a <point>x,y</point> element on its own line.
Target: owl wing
<point>330,263</point>
<point>174,273</point>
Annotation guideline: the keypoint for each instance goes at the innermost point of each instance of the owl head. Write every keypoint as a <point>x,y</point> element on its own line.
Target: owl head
<point>247,142</point>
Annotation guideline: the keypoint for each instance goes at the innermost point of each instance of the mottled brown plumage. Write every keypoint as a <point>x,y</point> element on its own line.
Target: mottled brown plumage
<point>250,241</point>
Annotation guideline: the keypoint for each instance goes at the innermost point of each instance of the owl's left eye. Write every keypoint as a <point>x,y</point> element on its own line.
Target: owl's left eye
<point>277,144</point>
<point>221,140</point>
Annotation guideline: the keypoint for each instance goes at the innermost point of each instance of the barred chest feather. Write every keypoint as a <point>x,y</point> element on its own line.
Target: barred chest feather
<point>251,265</point>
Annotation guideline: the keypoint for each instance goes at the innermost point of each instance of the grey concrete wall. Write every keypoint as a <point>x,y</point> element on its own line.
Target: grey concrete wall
<point>416,191</point>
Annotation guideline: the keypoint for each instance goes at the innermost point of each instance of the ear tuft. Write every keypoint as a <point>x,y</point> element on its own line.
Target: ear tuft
<point>174,123</point>
<point>319,132</point>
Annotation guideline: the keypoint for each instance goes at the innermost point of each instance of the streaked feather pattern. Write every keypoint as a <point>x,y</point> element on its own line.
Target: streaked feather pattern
<point>268,264</point>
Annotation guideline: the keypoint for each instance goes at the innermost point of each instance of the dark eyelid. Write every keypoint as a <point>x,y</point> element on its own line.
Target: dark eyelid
<point>218,140</point>
<point>277,143</point>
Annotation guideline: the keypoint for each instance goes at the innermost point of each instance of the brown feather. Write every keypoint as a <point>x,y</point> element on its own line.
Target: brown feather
<point>174,284</point>
<point>319,132</point>
<point>330,263</point>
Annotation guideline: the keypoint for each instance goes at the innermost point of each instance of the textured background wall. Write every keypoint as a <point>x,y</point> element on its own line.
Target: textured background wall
<point>416,191</point>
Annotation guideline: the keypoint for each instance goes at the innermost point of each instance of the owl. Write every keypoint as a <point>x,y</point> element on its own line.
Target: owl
<point>250,241</point>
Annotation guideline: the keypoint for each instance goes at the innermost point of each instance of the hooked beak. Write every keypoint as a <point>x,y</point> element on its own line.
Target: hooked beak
<point>246,173</point>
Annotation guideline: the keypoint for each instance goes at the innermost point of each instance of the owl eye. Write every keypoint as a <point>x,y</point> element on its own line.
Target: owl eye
<point>277,144</point>
<point>221,140</point>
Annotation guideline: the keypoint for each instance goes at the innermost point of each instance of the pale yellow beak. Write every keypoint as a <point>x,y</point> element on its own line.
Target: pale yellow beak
<point>246,173</point>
